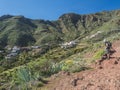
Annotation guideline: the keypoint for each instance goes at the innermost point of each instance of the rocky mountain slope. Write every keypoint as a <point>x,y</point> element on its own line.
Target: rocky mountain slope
<point>105,76</point>
<point>29,69</point>
<point>21,31</point>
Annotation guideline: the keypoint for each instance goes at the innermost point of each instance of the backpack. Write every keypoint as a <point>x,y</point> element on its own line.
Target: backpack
<point>108,44</point>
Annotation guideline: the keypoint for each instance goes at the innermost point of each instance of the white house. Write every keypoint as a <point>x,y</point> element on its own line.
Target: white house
<point>68,44</point>
<point>14,52</point>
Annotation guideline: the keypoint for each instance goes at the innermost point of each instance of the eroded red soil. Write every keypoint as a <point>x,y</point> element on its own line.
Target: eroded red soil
<point>105,76</point>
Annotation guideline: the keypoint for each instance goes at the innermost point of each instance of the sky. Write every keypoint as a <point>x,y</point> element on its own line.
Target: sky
<point>53,9</point>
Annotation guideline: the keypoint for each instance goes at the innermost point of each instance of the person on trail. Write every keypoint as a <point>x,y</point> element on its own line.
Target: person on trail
<point>108,51</point>
<point>108,47</point>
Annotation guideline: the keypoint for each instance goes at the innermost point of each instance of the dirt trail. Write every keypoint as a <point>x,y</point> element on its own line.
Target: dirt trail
<point>103,77</point>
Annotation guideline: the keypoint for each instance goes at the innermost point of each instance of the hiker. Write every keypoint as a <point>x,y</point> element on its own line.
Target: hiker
<point>108,51</point>
<point>108,48</point>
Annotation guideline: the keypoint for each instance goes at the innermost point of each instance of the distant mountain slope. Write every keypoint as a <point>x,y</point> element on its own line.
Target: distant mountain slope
<point>16,30</point>
<point>21,31</point>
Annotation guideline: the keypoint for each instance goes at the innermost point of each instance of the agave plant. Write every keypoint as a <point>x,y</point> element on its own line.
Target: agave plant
<point>22,78</point>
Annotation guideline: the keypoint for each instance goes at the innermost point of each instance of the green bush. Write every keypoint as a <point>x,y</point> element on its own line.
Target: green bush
<point>99,54</point>
<point>1,69</point>
<point>67,64</point>
<point>55,68</point>
<point>71,66</point>
<point>40,84</point>
<point>21,78</point>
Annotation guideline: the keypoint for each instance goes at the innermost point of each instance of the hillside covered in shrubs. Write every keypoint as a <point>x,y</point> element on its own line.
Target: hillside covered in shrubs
<point>33,50</point>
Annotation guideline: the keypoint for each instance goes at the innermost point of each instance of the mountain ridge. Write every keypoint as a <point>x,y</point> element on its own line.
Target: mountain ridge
<point>45,47</point>
<point>68,27</point>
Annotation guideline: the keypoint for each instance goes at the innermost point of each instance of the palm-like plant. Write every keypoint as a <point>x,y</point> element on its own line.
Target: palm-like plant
<point>22,78</point>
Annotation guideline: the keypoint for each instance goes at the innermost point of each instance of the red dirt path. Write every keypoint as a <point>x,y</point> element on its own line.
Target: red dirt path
<point>103,77</point>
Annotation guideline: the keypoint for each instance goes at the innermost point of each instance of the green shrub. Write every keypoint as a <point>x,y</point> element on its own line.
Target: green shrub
<point>55,68</point>
<point>67,64</point>
<point>21,77</point>
<point>40,84</point>
<point>72,66</point>
<point>98,54</point>
<point>1,69</point>
<point>2,88</point>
